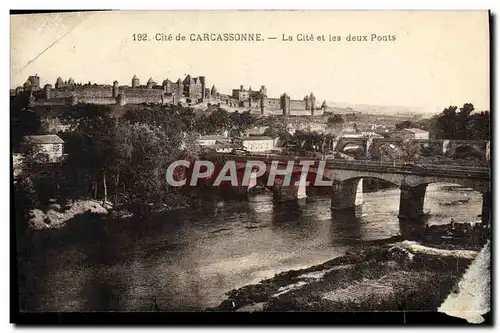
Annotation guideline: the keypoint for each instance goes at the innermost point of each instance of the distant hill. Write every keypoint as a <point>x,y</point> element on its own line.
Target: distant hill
<point>378,109</point>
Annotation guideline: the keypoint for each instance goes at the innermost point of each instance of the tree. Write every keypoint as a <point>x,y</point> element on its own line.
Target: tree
<point>351,116</point>
<point>479,126</point>
<point>271,132</point>
<point>409,151</point>
<point>191,146</point>
<point>121,150</point>
<point>23,122</point>
<point>217,122</point>
<point>464,125</point>
<point>402,150</point>
<point>463,120</point>
<point>242,122</point>
<point>188,119</point>
<point>404,124</point>
<point>446,123</point>
<point>100,129</point>
<point>312,141</point>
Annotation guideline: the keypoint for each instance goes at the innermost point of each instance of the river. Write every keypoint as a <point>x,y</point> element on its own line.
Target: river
<point>188,259</point>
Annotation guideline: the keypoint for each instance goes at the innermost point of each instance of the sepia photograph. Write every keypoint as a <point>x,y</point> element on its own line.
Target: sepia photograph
<point>225,163</point>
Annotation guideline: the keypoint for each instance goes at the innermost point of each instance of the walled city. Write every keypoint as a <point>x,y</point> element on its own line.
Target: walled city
<point>188,92</point>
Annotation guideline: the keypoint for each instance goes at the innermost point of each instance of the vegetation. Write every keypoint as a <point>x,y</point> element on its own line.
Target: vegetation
<point>116,156</point>
<point>450,124</point>
<point>453,125</point>
<point>120,154</point>
<point>311,141</point>
<point>335,119</point>
<point>462,125</point>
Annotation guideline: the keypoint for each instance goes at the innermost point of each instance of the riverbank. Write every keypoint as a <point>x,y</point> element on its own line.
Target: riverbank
<point>401,275</point>
<point>56,216</point>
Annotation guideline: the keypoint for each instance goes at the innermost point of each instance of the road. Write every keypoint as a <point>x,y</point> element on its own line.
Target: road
<point>453,171</point>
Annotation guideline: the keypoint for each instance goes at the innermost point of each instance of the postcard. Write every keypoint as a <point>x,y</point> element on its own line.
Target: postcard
<point>210,162</point>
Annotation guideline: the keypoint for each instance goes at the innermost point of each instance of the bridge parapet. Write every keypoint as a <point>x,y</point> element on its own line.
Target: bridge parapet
<point>345,177</point>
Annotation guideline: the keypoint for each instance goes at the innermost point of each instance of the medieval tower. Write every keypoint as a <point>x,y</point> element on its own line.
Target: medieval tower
<point>47,89</point>
<point>306,102</point>
<point>263,99</point>
<point>285,104</point>
<point>115,89</point>
<point>135,82</point>
<point>312,103</point>
<point>203,86</point>
<point>150,83</point>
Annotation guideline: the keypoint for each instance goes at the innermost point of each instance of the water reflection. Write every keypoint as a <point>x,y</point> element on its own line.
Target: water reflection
<point>104,293</point>
<point>345,227</point>
<point>188,260</point>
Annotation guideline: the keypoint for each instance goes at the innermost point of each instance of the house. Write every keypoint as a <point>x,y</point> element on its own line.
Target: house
<point>49,148</point>
<point>255,131</point>
<point>292,128</point>
<point>349,129</point>
<point>241,94</point>
<point>413,133</point>
<point>256,143</point>
<point>17,164</point>
<point>373,135</point>
<point>208,140</point>
<point>351,135</point>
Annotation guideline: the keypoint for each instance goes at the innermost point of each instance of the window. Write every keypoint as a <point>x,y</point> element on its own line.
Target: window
<point>56,148</point>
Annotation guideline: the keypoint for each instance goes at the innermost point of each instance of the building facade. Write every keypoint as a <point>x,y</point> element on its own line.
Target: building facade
<point>221,147</point>
<point>208,140</point>
<point>48,148</point>
<point>32,83</point>
<point>69,92</point>
<point>285,104</point>
<point>413,134</point>
<point>256,143</point>
<point>240,94</point>
<point>194,87</point>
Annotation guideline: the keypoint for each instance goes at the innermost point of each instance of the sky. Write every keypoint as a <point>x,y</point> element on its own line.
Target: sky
<point>438,58</point>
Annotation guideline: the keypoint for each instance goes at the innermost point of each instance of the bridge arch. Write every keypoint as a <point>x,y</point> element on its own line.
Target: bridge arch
<point>290,190</point>
<point>354,150</point>
<point>481,186</point>
<point>293,188</point>
<point>463,203</point>
<point>351,143</point>
<point>348,192</point>
<point>415,189</point>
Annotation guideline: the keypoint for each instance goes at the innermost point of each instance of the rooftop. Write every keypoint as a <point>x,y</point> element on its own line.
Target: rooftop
<point>43,139</point>
<point>221,145</point>
<point>256,138</point>
<point>214,137</point>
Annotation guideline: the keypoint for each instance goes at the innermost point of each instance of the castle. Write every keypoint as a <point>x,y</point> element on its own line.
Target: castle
<point>191,90</point>
<point>258,98</point>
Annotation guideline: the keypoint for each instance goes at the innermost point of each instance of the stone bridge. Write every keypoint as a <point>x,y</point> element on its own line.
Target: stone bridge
<point>344,178</point>
<point>449,148</point>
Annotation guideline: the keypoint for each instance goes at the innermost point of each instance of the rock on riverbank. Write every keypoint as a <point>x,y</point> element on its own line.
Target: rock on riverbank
<point>57,216</point>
